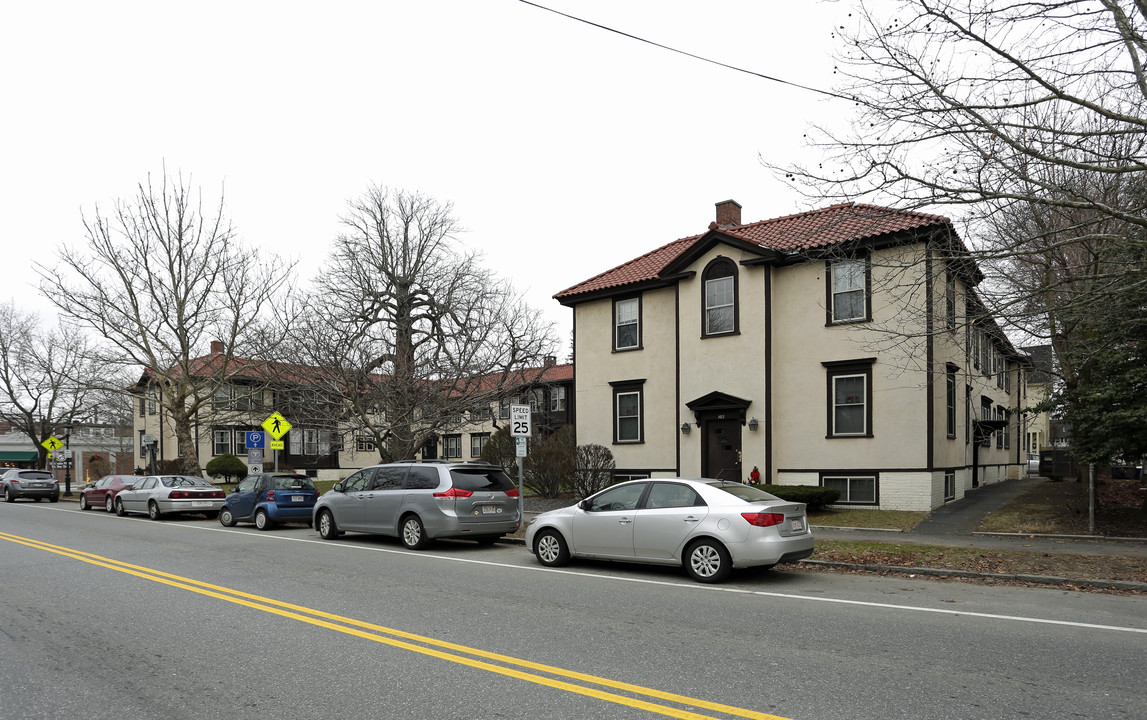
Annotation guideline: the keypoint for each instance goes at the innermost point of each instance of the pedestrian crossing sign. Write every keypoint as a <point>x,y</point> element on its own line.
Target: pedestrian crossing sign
<point>276,425</point>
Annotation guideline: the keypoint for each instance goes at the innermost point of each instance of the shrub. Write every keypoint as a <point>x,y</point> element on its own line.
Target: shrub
<point>500,451</point>
<point>594,470</point>
<point>814,496</point>
<point>226,466</point>
<point>549,468</point>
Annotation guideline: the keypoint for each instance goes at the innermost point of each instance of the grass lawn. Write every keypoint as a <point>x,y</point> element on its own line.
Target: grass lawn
<point>887,519</point>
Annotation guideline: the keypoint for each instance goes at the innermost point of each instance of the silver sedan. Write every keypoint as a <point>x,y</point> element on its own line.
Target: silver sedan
<point>159,495</point>
<point>707,526</point>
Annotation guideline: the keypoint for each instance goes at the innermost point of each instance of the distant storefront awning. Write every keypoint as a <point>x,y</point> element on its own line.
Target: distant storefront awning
<point>19,456</point>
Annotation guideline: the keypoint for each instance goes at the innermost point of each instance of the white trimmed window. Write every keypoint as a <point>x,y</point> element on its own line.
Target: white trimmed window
<point>222,442</point>
<point>854,490</point>
<point>848,292</point>
<point>626,324</point>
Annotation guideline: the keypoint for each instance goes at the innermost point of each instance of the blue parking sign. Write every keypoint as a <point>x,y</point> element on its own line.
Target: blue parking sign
<point>256,439</point>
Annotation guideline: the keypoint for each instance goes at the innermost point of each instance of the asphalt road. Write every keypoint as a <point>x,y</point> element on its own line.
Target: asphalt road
<point>106,617</point>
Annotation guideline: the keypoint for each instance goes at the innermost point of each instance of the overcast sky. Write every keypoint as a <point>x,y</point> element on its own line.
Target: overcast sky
<point>565,149</point>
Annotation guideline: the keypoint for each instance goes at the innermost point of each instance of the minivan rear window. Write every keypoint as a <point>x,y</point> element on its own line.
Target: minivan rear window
<point>481,479</point>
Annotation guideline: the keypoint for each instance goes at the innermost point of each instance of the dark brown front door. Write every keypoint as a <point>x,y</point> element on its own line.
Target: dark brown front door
<point>721,458</point>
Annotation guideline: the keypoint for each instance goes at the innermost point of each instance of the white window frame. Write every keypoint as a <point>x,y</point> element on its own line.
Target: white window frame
<point>228,444</point>
<point>863,405</point>
<point>846,494</point>
<point>835,291</point>
<point>619,323</point>
<point>634,418</point>
<point>714,307</point>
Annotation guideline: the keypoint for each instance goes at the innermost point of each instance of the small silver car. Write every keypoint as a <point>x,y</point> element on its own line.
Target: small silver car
<point>159,495</point>
<point>419,501</point>
<point>707,526</point>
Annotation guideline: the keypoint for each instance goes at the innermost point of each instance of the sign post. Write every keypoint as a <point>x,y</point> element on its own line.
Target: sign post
<point>521,429</point>
<point>255,441</point>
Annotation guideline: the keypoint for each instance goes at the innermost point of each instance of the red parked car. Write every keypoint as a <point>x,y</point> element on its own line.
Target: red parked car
<point>102,492</point>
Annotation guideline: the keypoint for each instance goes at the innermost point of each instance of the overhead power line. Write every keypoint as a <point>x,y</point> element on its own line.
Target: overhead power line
<point>688,54</point>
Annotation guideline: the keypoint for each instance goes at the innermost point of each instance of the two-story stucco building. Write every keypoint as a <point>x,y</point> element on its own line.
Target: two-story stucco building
<point>843,347</point>
<point>325,447</point>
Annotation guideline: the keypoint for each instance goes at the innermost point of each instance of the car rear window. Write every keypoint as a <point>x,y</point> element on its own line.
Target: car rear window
<point>748,493</point>
<point>183,481</point>
<point>35,475</point>
<point>295,482</point>
<point>481,479</point>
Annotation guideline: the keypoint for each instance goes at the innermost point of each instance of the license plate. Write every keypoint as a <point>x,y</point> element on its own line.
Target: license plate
<point>489,509</point>
<point>39,485</point>
<point>297,498</point>
<point>797,525</point>
<point>200,503</point>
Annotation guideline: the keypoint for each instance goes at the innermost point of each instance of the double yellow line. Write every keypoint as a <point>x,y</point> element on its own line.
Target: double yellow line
<point>677,706</point>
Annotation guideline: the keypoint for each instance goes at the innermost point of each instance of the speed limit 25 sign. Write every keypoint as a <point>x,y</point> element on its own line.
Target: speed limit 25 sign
<point>520,421</point>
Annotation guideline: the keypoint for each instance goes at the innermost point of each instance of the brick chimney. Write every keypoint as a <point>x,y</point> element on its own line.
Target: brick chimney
<point>550,361</point>
<point>728,213</point>
<point>216,347</point>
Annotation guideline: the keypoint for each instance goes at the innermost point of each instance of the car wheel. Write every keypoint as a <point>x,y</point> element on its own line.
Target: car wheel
<point>414,533</point>
<point>327,528</point>
<point>119,508</point>
<point>8,496</point>
<point>109,504</point>
<point>153,510</point>
<point>708,561</point>
<point>262,520</point>
<point>84,503</point>
<point>54,498</point>
<point>550,549</point>
<point>226,519</point>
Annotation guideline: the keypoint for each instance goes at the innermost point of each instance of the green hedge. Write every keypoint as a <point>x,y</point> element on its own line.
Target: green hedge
<point>814,496</point>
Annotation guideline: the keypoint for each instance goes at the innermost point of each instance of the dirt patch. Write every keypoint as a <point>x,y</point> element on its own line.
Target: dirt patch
<point>1062,508</point>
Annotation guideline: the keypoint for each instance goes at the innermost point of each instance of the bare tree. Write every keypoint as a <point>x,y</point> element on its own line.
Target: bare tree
<point>38,371</point>
<point>158,279</point>
<point>963,102</point>
<point>408,334</point>
<point>1030,121</point>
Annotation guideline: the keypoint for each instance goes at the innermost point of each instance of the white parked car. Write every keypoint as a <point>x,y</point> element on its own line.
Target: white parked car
<point>707,526</point>
<point>159,495</point>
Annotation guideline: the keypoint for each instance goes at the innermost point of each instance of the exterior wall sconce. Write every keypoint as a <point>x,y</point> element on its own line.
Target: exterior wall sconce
<point>753,424</point>
<point>685,428</point>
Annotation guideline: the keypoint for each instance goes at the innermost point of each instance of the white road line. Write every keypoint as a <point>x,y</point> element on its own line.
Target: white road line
<point>644,581</point>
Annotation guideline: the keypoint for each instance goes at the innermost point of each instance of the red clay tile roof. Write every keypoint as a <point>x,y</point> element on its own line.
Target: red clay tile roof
<point>789,234</point>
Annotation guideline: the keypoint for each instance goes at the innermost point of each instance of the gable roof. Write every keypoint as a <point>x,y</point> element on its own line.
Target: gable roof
<point>789,235</point>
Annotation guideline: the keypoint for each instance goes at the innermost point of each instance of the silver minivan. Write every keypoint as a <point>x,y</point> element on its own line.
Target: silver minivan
<point>419,501</point>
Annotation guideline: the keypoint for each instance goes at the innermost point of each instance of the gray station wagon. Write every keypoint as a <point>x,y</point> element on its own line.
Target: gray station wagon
<point>419,501</point>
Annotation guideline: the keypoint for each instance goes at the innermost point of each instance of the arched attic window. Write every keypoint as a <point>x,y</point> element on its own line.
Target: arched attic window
<point>719,312</point>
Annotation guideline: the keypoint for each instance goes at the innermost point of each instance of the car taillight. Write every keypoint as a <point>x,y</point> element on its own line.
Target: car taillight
<point>454,492</point>
<point>764,519</point>
<point>178,494</point>
<point>270,495</point>
<point>512,493</point>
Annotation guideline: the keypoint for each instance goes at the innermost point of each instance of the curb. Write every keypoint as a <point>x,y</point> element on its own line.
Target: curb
<point>855,529</point>
<point>1063,537</point>
<point>936,572</point>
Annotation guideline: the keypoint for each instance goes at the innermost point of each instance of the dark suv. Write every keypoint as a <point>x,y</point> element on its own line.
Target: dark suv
<point>419,501</point>
<point>36,484</point>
